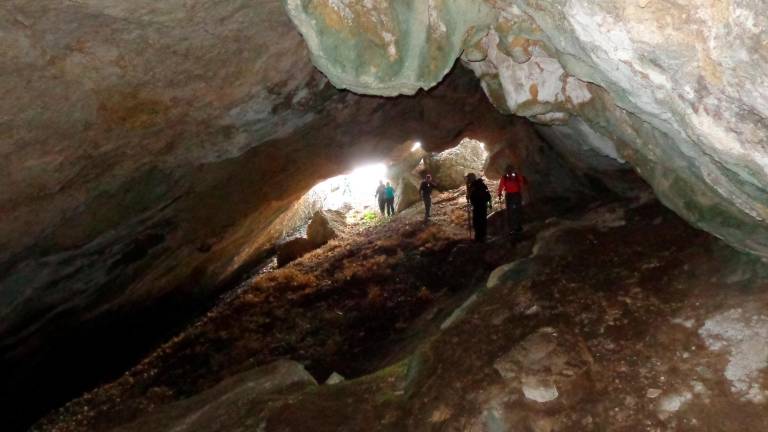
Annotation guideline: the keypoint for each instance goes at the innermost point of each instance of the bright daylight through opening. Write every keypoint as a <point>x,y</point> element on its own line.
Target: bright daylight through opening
<point>351,193</point>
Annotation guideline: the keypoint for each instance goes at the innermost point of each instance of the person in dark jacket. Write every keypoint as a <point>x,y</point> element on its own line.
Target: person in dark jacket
<point>480,198</point>
<point>389,191</point>
<point>381,194</point>
<point>425,190</point>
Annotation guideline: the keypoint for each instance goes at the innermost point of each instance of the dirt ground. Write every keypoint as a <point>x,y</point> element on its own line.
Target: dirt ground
<point>617,317</point>
<point>351,307</point>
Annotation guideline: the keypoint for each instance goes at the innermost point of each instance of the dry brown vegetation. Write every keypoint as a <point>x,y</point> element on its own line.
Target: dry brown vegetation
<point>336,309</point>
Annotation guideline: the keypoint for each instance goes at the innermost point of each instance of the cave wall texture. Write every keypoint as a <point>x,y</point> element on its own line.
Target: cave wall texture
<point>675,88</point>
<point>152,152</point>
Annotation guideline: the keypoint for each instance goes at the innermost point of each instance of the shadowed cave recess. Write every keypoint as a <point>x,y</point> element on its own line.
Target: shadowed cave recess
<point>178,253</point>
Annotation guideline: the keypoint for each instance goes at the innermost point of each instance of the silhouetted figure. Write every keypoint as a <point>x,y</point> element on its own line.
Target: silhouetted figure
<point>480,198</point>
<point>390,194</point>
<point>381,194</point>
<point>425,189</point>
<point>511,185</point>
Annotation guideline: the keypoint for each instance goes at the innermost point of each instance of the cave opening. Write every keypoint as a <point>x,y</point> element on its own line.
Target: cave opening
<point>372,193</point>
<point>350,193</point>
<point>353,194</point>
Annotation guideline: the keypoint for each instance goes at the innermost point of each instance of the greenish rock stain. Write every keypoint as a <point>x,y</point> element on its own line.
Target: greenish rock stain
<point>388,47</point>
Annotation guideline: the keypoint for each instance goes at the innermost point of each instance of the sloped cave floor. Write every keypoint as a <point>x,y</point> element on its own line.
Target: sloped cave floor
<point>350,307</point>
<point>619,316</point>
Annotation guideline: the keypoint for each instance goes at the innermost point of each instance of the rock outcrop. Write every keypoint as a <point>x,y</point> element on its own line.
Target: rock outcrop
<point>222,407</point>
<point>450,167</point>
<point>323,227</point>
<point>677,91</point>
<point>293,249</point>
<point>407,193</point>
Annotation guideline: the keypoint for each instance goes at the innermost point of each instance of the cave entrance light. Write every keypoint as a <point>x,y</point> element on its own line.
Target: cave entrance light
<point>353,191</point>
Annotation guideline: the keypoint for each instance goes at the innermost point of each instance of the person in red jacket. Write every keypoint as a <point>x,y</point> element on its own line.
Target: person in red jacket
<point>511,185</point>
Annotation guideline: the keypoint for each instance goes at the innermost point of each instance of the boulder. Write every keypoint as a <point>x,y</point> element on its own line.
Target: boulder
<point>293,249</point>
<point>407,193</point>
<point>335,378</point>
<point>320,230</point>
<point>449,167</point>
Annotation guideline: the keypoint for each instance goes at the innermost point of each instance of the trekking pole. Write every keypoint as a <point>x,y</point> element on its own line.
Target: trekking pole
<point>469,221</point>
<point>506,215</point>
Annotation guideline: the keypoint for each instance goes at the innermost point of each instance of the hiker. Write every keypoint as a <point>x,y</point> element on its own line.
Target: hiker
<point>480,198</point>
<point>512,185</point>
<point>390,194</point>
<point>381,194</point>
<point>425,189</point>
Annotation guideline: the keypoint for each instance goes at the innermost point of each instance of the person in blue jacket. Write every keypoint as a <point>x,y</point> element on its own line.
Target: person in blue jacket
<point>389,192</point>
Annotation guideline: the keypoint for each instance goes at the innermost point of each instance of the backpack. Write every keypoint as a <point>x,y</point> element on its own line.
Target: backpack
<point>479,195</point>
<point>486,194</point>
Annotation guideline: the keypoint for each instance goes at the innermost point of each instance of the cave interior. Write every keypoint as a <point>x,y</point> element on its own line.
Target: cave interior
<point>190,241</point>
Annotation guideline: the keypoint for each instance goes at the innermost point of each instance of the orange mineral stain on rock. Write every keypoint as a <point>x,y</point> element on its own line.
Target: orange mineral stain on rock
<point>332,17</point>
<point>130,110</point>
<point>534,91</point>
<point>519,42</point>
